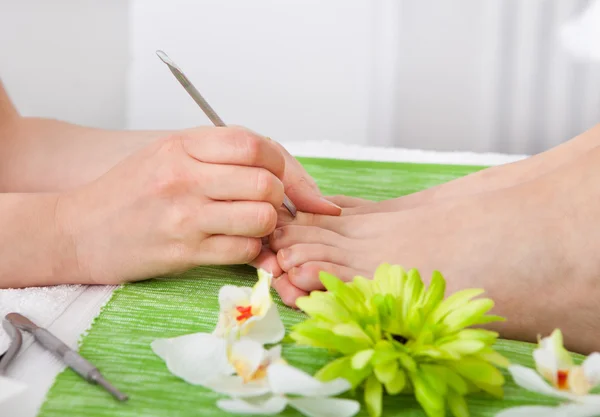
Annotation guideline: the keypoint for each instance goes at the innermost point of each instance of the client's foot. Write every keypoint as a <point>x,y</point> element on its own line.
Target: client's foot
<point>489,179</point>
<point>532,247</point>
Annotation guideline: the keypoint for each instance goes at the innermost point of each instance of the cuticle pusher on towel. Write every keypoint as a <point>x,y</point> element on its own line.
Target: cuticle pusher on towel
<point>208,110</point>
<point>71,358</point>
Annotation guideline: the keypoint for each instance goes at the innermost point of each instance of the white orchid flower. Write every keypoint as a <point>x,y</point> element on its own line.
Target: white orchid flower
<point>249,312</point>
<point>196,358</point>
<point>236,368</point>
<point>293,387</point>
<point>251,362</point>
<point>557,376</point>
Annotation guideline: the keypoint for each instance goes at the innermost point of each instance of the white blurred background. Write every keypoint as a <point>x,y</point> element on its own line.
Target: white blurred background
<point>429,74</point>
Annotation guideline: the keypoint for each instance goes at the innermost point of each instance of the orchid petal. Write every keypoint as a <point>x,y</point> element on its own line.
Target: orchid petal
<point>325,407</point>
<point>246,356</point>
<point>10,388</point>
<point>274,354</point>
<point>234,386</point>
<point>267,329</point>
<point>195,358</point>
<point>551,356</point>
<point>532,381</point>
<point>273,405</point>
<point>570,410</point>
<point>590,399</point>
<point>591,368</point>
<point>230,297</point>
<point>285,379</point>
<point>261,292</point>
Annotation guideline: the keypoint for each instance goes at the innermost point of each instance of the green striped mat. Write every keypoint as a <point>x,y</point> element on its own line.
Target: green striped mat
<point>119,339</point>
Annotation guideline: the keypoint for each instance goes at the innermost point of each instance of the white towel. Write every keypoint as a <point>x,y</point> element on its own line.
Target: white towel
<point>40,304</point>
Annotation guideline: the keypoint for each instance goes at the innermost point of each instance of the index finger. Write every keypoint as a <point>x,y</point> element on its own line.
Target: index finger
<point>233,146</point>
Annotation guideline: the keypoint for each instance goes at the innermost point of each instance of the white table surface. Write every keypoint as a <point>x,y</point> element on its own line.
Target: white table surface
<point>69,311</point>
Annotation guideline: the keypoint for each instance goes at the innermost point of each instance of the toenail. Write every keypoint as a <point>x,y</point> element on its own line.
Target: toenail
<point>285,256</point>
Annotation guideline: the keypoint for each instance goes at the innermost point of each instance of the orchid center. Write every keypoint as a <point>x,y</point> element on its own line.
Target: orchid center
<point>243,313</point>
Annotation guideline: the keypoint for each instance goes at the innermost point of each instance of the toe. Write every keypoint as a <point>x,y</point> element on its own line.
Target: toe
<point>287,291</point>
<point>290,235</point>
<point>267,260</point>
<point>306,277</point>
<point>301,253</point>
<point>309,219</point>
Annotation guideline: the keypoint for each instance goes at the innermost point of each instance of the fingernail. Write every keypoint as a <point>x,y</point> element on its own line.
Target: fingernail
<point>277,234</point>
<point>330,203</point>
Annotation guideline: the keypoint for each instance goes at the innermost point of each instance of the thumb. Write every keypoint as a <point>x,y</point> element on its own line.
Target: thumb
<point>309,199</point>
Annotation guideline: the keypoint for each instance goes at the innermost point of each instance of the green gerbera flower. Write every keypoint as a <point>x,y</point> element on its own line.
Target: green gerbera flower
<point>397,336</point>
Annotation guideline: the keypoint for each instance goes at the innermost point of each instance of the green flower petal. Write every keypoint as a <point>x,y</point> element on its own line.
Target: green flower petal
<point>325,306</point>
<point>457,404</point>
<point>467,314</point>
<point>463,347</point>
<point>362,358</point>
<point>434,294</point>
<point>341,368</point>
<point>397,384</point>
<point>430,400</point>
<point>491,356</point>
<point>478,371</point>
<point>364,285</point>
<point>413,288</point>
<point>373,396</point>
<point>386,371</point>
<point>453,302</point>
<point>353,331</point>
<point>486,336</point>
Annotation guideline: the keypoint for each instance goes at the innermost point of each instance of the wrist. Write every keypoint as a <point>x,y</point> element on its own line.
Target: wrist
<point>68,267</point>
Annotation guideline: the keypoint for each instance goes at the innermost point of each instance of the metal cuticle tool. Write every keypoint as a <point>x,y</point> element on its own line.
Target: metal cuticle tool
<point>16,340</point>
<point>207,109</point>
<point>50,342</point>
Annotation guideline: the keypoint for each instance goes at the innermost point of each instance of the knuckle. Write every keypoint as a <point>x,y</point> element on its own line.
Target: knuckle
<point>168,180</point>
<point>266,219</point>
<point>269,187</point>
<point>179,255</point>
<point>265,184</point>
<point>249,146</point>
<point>179,218</point>
<point>251,250</point>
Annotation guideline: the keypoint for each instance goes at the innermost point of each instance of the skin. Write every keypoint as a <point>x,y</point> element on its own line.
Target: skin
<point>495,178</point>
<point>532,247</point>
<point>82,205</point>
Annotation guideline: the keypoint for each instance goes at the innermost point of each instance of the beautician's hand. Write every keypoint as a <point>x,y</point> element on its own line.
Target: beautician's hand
<point>203,196</point>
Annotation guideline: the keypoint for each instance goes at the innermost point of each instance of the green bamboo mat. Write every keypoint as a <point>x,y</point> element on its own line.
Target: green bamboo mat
<point>119,339</point>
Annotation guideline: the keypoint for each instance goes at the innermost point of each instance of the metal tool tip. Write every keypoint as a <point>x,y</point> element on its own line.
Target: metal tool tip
<point>99,379</point>
<point>290,206</point>
<point>165,58</point>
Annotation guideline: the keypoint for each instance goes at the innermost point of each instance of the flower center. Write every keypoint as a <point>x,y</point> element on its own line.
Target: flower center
<point>244,313</point>
<point>562,377</point>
